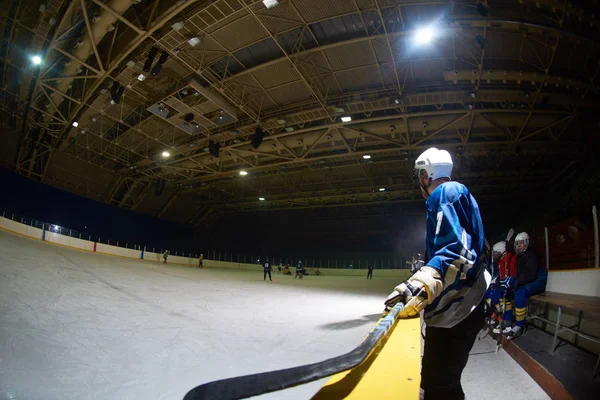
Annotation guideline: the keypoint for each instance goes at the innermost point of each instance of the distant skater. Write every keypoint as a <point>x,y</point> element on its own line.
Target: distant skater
<point>200,261</point>
<point>165,256</point>
<point>370,273</point>
<point>299,270</point>
<point>267,268</point>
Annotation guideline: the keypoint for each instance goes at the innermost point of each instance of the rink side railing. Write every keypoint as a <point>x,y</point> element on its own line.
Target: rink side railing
<point>47,233</point>
<point>348,261</point>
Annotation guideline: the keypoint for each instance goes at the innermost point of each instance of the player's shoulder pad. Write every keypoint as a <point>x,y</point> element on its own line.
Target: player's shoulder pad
<point>449,192</point>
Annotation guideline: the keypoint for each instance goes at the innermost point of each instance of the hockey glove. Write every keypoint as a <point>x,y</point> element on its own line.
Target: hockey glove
<point>508,283</point>
<point>416,292</point>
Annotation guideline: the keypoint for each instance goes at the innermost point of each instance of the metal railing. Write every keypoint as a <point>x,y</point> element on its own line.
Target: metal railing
<point>341,262</point>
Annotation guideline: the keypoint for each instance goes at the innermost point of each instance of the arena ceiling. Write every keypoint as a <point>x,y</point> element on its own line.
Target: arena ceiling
<point>509,87</point>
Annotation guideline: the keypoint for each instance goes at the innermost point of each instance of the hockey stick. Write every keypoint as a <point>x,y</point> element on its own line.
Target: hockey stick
<point>509,235</point>
<point>242,387</point>
<point>499,341</point>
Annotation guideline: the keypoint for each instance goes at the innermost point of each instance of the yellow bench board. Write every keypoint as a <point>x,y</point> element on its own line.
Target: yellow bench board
<point>391,371</point>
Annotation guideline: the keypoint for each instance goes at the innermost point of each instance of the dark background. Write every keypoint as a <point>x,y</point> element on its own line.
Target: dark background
<point>380,232</point>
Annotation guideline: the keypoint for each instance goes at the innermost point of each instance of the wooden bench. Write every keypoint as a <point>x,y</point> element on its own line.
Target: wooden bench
<point>574,302</point>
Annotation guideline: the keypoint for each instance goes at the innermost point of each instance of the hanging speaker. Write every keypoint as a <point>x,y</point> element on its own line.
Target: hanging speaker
<point>481,41</point>
<point>148,64</point>
<point>214,148</point>
<point>116,91</point>
<point>158,67</point>
<point>160,187</point>
<point>482,10</point>
<point>258,137</point>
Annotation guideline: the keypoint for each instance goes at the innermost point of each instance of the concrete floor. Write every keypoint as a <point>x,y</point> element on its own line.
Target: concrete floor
<point>491,375</point>
<point>75,325</point>
<point>573,367</point>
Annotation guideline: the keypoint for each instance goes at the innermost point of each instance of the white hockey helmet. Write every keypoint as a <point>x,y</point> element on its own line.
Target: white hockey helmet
<point>437,163</point>
<point>500,247</point>
<point>522,237</point>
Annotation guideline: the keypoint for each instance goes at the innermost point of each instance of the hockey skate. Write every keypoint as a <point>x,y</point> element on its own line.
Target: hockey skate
<point>507,330</point>
<point>514,333</point>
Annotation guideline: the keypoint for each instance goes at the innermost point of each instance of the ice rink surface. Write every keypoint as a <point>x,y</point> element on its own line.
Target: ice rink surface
<point>75,325</point>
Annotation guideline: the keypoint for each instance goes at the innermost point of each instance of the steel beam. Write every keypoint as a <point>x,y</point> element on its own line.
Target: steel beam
<point>322,102</point>
<point>128,50</point>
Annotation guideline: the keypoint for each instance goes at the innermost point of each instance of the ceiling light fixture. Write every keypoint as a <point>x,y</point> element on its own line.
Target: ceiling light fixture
<point>367,157</point>
<point>382,189</point>
<point>75,124</point>
<point>270,3</point>
<point>346,119</point>
<point>194,41</point>
<point>166,154</point>
<point>36,60</point>
<point>261,198</point>
<point>178,26</point>
<point>243,173</point>
<point>424,35</point>
<point>141,77</point>
<point>339,110</point>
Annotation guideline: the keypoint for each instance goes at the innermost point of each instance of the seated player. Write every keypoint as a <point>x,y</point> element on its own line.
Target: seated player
<point>531,280</point>
<point>503,284</point>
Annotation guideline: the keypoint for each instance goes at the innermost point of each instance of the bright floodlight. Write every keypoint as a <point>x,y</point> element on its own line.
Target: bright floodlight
<point>346,119</point>
<point>424,35</point>
<point>166,154</point>
<point>75,124</point>
<point>382,189</point>
<point>36,60</point>
<point>366,156</point>
<point>243,173</point>
<point>261,198</point>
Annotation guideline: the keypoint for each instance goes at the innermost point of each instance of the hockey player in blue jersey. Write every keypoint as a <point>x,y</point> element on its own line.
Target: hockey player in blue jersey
<point>449,288</point>
<point>531,280</point>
